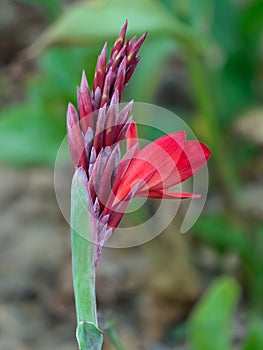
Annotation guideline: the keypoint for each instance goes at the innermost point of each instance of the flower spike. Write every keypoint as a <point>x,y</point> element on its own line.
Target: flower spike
<point>97,131</point>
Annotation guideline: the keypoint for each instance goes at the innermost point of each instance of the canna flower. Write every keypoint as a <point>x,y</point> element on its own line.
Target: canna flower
<point>150,172</point>
<point>97,131</point>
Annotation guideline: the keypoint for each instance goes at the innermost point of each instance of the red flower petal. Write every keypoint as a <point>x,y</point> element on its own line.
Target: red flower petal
<point>132,138</point>
<point>159,159</point>
<point>168,195</point>
<point>193,158</point>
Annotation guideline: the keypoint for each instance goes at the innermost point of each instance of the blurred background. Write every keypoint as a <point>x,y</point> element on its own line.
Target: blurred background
<point>202,60</point>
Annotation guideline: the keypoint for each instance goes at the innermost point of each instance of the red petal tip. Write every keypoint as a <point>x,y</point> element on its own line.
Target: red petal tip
<point>206,151</point>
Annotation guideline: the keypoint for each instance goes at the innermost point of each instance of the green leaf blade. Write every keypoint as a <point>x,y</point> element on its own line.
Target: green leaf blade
<point>28,136</point>
<point>91,22</point>
<point>211,321</point>
<point>254,338</point>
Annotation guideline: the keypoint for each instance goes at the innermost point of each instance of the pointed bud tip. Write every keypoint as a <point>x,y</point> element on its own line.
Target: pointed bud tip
<point>102,57</point>
<point>104,49</point>
<point>84,82</point>
<point>140,41</point>
<point>71,109</point>
<point>72,116</point>
<point>124,28</point>
<point>145,35</point>
<point>115,98</point>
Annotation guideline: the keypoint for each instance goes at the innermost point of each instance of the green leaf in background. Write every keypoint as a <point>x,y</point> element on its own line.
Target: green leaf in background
<point>210,324</point>
<point>29,136</point>
<point>215,230</point>
<point>238,59</point>
<point>201,13</point>
<point>252,19</point>
<point>60,74</point>
<point>91,22</point>
<point>254,338</point>
<point>225,24</point>
<point>198,14</point>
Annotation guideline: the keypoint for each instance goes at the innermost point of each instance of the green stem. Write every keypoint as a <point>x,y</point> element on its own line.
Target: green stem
<point>113,337</point>
<point>83,278</point>
<point>89,336</point>
<point>207,125</point>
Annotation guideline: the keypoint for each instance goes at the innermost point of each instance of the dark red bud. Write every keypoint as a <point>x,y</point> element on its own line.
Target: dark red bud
<point>135,49</point>
<point>100,71</point>
<point>106,91</point>
<point>130,70</point>
<point>76,144</point>
<point>119,82</point>
<point>120,40</point>
<point>85,107</point>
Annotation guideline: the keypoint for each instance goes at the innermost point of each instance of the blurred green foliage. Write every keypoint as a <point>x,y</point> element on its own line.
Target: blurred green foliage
<point>254,339</point>
<point>52,7</point>
<point>211,322</point>
<point>221,44</point>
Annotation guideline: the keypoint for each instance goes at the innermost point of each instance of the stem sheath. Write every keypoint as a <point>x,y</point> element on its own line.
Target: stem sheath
<point>83,232</point>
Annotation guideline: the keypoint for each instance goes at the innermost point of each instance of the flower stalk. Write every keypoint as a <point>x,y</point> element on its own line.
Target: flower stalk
<point>88,334</point>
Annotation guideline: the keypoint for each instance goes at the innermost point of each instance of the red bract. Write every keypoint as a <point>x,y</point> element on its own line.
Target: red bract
<point>100,124</point>
<point>95,136</point>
